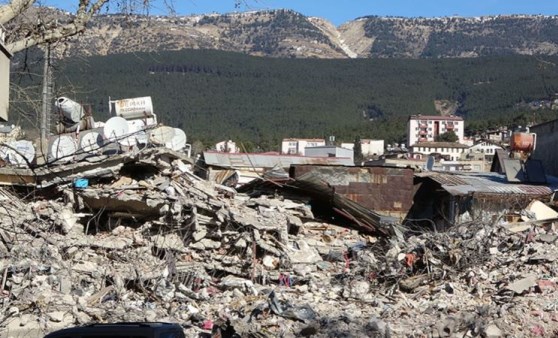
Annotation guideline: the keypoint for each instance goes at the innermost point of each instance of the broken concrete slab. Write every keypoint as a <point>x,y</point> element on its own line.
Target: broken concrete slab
<point>523,284</point>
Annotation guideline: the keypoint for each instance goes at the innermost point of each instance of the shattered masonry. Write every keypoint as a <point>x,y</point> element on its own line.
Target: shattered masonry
<point>147,240</point>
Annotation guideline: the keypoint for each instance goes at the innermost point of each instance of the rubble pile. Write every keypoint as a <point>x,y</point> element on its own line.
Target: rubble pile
<point>156,243</point>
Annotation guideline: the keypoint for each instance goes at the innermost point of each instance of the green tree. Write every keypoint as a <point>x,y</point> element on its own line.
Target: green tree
<point>448,136</point>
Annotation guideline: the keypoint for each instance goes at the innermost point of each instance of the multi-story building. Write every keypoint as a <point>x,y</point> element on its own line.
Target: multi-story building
<point>425,128</point>
<point>452,151</point>
<point>296,146</point>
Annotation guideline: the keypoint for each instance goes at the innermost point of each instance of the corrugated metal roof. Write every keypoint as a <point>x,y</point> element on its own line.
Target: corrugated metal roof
<point>246,160</point>
<point>490,183</point>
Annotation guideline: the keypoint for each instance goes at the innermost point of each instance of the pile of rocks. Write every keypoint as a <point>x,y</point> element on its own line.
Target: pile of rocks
<point>156,243</point>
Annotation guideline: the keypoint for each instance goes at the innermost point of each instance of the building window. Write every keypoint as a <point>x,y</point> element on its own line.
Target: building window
<point>416,128</point>
<point>429,122</point>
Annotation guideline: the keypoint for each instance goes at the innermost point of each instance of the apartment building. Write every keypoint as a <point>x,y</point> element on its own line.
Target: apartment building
<point>425,128</point>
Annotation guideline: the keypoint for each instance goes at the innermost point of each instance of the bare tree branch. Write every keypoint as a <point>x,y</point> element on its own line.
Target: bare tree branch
<point>13,9</point>
<point>84,13</point>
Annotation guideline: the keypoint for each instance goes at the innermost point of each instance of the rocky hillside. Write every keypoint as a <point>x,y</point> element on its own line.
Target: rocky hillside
<point>285,33</point>
<point>280,33</point>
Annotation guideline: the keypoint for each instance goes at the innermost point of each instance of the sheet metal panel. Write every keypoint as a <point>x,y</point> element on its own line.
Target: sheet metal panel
<point>491,183</point>
<point>244,160</point>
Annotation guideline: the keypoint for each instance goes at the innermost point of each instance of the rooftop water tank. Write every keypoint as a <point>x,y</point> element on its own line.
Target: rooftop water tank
<point>71,110</point>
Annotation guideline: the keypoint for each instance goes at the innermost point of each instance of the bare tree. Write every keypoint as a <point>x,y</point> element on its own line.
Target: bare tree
<point>24,32</point>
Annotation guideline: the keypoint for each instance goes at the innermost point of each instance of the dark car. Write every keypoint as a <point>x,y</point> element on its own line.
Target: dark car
<point>121,330</point>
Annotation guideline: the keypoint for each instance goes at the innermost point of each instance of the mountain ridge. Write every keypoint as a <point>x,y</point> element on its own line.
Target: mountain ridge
<point>286,33</point>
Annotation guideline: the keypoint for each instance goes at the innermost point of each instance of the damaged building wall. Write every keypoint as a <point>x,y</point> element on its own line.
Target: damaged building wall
<point>547,141</point>
<point>388,191</point>
<point>435,205</point>
<point>491,208</point>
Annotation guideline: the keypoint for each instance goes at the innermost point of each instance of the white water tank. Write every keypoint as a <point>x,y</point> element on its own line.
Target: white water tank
<point>71,110</point>
<point>134,108</point>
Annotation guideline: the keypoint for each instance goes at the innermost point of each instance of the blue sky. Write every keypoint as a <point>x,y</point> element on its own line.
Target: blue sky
<point>339,11</point>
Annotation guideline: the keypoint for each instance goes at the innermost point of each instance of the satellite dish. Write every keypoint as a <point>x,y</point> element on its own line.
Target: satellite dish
<point>430,163</point>
<point>62,148</point>
<point>26,149</point>
<point>141,137</point>
<point>117,129</point>
<point>18,153</point>
<point>135,125</point>
<point>178,141</point>
<point>90,141</point>
<point>161,135</point>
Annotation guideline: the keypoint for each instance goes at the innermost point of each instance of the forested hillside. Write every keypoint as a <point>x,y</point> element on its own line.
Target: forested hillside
<point>459,37</point>
<point>215,95</point>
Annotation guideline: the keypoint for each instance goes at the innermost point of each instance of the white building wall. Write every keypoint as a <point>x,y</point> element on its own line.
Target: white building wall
<point>486,148</point>
<point>453,153</point>
<point>348,146</point>
<point>371,147</point>
<point>326,151</point>
<point>297,146</point>
<point>227,147</point>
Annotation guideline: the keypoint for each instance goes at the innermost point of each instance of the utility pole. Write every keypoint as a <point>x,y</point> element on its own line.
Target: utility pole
<point>47,101</point>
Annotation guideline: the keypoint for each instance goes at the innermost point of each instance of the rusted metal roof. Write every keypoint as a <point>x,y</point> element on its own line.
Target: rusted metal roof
<point>258,160</point>
<point>487,183</point>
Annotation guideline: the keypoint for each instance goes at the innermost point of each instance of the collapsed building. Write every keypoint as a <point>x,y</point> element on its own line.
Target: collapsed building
<point>310,248</point>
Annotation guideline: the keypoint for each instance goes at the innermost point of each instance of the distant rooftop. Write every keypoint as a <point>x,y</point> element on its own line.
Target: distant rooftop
<point>436,117</point>
<point>268,160</point>
<point>488,183</point>
<point>440,145</point>
<point>305,139</point>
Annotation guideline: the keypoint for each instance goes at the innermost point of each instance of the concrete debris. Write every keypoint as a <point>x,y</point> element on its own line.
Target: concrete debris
<point>152,242</point>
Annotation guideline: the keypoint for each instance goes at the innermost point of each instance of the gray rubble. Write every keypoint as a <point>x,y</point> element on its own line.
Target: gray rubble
<point>163,245</point>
